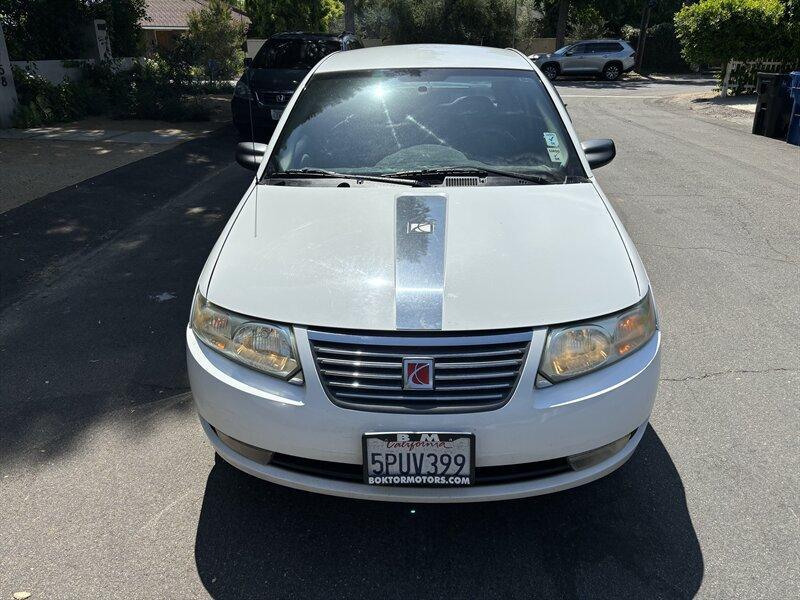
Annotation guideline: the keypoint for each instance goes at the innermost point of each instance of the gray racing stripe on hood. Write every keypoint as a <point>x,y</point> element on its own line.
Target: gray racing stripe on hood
<point>419,261</point>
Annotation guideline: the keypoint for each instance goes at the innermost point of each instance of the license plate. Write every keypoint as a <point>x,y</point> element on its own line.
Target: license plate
<point>275,113</point>
<point>419,459</point>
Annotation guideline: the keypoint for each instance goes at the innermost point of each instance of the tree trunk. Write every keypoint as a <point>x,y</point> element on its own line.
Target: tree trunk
<point>642,36</point>
<point>514,31</point>
<point>350,15</point>
<point>561,24</point>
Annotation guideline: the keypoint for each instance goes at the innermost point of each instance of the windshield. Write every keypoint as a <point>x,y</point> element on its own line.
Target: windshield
<point>562,50</point>
<point>293,53</point>
<point>388,121</point>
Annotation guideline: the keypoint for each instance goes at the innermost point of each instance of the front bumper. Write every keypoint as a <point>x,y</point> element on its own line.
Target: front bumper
<point>535,425</point>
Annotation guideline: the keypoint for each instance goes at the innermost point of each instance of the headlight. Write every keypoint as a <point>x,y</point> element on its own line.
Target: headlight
<point>267,347</point>
<point>577,349</point>
<point>241,90</point>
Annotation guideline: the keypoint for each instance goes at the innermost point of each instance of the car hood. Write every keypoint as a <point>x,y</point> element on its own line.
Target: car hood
<point>274,80</point>
<point>515,256</point>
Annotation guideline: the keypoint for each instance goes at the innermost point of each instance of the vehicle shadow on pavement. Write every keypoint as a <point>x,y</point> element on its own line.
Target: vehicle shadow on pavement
<point>627,535</point>
<point>102,314</point>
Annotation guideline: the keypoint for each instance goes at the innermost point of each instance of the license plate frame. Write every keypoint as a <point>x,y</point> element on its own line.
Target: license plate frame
<point>420,479</point>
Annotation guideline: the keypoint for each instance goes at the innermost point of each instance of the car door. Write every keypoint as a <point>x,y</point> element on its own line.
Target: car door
<point>574,60</point>
<point>596,56</point>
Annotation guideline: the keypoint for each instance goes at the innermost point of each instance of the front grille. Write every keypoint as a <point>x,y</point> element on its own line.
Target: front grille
<point>265,97</point>
<point>471,372</point>
<point>483,475</point>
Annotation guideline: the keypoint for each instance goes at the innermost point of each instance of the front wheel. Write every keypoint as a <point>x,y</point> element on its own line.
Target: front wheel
<point>611,72</point>
<point>550,71</point>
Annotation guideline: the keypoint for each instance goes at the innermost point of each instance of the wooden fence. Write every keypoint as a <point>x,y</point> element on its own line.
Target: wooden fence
<point>741,76</point>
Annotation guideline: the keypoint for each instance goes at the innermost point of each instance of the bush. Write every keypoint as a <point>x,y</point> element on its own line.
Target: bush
<point>213,42</point>
<point>157,91</point>
<point>662,51</point>
<point>153,89</point>
<point>42,103</point>
<point>105,87</point>
<point>718,31</point>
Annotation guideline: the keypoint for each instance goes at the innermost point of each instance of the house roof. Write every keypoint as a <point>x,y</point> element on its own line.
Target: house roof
<point>173,14</point>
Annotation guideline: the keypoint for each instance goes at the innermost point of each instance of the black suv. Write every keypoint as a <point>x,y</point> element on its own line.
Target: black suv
<point>272,76</point>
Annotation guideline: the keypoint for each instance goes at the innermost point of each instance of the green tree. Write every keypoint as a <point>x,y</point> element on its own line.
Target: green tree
<point>487,22</point>
<point>791,30</point>
<point>123,18</point>
<point>718,31</point>
<point>214,37</point>
<point>586,22</point>
<point>663,52</point>
<point>274,16</point>
<point>53,29</point>
<point>44,29</point>
<point>561,22</point>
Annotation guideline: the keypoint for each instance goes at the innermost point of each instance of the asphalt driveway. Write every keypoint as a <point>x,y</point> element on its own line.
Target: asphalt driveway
<point>109,488</point>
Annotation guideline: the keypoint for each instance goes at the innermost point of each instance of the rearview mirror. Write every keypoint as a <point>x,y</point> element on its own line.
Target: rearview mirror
<point>569,53</point>
<point>247,61</point>
<point>599,152</point>
<point>249,154</point>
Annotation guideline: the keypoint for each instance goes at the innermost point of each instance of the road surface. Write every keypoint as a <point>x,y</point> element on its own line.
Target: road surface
<point>109,489</point>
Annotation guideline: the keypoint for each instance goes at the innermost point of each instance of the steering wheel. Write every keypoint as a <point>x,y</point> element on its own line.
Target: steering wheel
<point>491,141</point>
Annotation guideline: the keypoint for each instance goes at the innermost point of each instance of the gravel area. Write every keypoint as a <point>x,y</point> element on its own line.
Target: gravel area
<point>735,110</point>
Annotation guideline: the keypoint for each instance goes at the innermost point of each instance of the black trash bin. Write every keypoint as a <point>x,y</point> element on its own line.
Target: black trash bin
<point>774,106</point>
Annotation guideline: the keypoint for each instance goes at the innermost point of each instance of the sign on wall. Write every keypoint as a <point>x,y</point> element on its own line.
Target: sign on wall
<point>8,93</point>
<point>101,46</point>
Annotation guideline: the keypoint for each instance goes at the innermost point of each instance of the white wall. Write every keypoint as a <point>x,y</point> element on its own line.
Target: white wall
<point>52,70</point>
<point>55,71</point>
<point>8,92</point>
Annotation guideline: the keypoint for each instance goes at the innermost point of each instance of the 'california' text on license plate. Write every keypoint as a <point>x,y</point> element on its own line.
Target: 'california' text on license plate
<point>419,459</point>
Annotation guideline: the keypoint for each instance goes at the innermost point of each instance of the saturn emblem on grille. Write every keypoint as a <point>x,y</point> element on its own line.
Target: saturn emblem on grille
<point>280,98</point>
<point>417,373</point>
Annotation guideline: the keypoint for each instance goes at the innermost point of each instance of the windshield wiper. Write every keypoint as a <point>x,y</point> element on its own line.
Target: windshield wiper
<point>471,170</point>
<point>325,173</point>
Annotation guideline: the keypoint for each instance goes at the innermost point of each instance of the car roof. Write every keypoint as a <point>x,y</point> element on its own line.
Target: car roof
<point>599,40</point>
<point>421,56</point>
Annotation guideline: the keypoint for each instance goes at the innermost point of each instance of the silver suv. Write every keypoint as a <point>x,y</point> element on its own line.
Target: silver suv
<point>606,58</point>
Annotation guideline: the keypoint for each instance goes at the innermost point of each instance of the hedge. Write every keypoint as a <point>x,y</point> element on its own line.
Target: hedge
<point>718,31</point>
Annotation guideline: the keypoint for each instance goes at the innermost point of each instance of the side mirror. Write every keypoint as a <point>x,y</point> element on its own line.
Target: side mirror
<point>247,62</point>
<point>250,154</point>
<point>599,152</point>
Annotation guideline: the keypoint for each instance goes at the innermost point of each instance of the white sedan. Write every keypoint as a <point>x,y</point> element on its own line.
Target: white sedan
<point>424,296</point>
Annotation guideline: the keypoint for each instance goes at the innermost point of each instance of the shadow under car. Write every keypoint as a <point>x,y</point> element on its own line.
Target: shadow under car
<point>626,535</point>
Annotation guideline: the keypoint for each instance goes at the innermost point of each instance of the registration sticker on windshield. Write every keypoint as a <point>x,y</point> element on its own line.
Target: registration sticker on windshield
<point>551,139</point>
<point>556,155</point>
